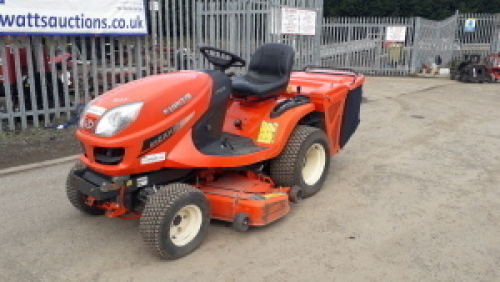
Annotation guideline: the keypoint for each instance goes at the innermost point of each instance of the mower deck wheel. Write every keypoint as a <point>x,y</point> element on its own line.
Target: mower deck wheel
<point>241,221</point>
<point>304,162</point>
<point>175,220</point>
<point>77,199</point>
<point>295,194</point>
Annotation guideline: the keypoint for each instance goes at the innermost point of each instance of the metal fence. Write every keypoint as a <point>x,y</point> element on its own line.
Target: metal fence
<point>434,43</point>
<point>46,80</point>
<point>483,40</point>
<point>362,43</point>
<point>242,26</point>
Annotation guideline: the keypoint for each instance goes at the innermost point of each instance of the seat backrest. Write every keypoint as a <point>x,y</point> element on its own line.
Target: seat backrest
<point>273,59</point>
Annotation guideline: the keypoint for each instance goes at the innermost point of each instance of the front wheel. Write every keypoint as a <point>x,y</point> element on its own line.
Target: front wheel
<point>304,162</point>
<point>78,199</point>
<point>175,220</point>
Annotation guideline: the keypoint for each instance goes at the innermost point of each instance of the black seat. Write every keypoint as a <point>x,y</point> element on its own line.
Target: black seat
<point>268,73</point>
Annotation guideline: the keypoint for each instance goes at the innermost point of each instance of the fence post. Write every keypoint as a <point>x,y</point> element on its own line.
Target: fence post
<point>496,34</point>
<point>9,107</point>
<point>415,49</point>
<point>458,52</point>
<point>319,27</point>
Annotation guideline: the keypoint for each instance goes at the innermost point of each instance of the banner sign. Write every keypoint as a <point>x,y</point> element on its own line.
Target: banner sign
<point>65,17</point>
<point>470,25</point>
<point>298,21</point>
<point>396,33</point>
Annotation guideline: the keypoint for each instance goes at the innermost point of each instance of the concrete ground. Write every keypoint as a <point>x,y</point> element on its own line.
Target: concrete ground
<point>414,196</point>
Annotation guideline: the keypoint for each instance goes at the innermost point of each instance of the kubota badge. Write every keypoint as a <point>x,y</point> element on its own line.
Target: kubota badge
<point>267,132</point>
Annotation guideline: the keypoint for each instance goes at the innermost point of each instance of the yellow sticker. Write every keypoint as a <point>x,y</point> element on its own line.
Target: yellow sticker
<point>267,132</point>
<point>291,88</point>
<point>272,195</point>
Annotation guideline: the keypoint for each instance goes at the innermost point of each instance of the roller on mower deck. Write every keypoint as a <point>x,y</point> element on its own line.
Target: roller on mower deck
<point>178,149</point>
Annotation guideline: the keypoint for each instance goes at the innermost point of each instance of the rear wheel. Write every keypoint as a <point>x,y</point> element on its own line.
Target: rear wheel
<point>304,162</point>
<point>175,220</point>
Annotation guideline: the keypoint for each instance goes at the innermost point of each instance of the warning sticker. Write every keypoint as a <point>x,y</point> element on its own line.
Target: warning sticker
<point>267,132</point>
<point>272,195</point>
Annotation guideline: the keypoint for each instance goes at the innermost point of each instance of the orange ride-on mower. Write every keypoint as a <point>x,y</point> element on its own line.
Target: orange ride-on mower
<point>180,148</point>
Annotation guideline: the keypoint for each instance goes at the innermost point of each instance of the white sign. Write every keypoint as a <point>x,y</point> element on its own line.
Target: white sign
<point>111,17</point>
<point>470,25</point>
<point>395,33</point>
<point>307,20</point>
<point>153,158</point>
<point>298,21</point>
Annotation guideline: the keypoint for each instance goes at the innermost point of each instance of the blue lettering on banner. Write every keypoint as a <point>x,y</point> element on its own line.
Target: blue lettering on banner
<point>41,19</point>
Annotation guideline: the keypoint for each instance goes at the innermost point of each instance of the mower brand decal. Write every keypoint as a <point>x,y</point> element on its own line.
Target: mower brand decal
<point>96,110</point>
<point>177,105</point>
<point>120,100</point>
<point>267,132</point>
<point>154,158</point>
<point>142,181</point>
<point>157,140</point>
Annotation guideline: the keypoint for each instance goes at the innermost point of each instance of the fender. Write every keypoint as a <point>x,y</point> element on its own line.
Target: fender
<point>285,125</point>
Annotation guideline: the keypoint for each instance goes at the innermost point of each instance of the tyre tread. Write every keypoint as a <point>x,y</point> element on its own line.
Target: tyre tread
<point>282,167</point>
<point>151,222</point>
<point>76,198</point>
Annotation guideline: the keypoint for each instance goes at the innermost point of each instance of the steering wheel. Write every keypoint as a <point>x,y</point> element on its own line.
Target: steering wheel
<point>219,61</point>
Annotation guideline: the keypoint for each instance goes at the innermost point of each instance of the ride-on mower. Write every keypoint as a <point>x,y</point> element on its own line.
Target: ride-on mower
<point>180,148</point>
<point>473,69</point>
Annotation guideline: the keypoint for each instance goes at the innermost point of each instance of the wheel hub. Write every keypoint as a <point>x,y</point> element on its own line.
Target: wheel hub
<point>313,164</point>
<point>185,225</point>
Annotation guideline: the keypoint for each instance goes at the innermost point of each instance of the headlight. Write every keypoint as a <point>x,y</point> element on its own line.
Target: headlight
<point>116,119</point>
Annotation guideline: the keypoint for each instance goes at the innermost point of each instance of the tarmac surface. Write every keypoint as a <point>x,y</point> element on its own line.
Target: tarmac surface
<point>414,196</point>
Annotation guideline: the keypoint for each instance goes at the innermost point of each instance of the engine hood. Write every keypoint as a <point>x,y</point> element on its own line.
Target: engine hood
<point>157,90</point>
<point>167,98</point>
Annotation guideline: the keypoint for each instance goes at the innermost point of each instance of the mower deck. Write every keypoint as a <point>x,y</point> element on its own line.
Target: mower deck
<point>229,194</point>
<point>248,193</point>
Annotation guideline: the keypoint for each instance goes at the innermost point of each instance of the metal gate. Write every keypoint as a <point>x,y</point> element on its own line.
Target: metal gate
<point>242,26</point>
<point>360,44</point>
<point>434,43</point>
<point>47,79</point>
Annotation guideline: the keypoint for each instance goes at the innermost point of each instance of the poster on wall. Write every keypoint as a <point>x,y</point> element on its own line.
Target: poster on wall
<point>298,21</point>
<point>72,17</point>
